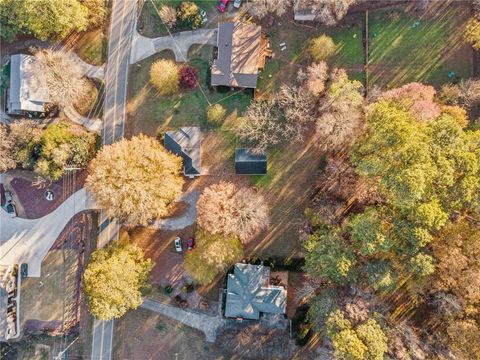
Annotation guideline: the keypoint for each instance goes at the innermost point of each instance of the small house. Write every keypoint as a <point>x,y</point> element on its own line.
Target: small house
<point>186,142</point>
<point>248,162</point>
<point>28,89</point>
<point>242,52</point>
<point>250,294</point>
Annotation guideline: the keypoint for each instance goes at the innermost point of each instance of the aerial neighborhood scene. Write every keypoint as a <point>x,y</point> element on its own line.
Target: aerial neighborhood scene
<point>240,179</point>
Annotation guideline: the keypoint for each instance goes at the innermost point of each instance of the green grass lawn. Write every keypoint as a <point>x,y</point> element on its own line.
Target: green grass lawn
<point>149,23</point>
<point>347,36</point>
<point>151,114</point>
<point>406,46</point>
<point>92,47</point>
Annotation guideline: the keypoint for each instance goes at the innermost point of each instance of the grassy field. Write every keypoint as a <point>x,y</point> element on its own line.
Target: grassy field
<point>406,46</point>
<point>92,47</point>
<point>347,36</point>
<point>151,114</point>
<point>141,334</point>
<point>150,25</point>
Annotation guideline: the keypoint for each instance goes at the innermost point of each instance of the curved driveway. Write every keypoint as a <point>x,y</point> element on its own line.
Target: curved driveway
<point>29,240</point>
<point>179,43</point>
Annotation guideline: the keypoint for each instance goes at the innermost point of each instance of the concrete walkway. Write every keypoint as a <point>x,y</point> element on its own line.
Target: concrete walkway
<point>29,240</point>
<point>93,125</point>
<point>209,325</point>
<point>183,221</point>
<point>91,71</point>
<point>179,43</point>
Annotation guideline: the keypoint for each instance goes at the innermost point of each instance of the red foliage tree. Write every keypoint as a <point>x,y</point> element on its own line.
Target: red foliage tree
<point>188,77</point>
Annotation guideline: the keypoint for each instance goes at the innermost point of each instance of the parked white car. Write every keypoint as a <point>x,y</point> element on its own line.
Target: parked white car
<point>178,244</point>
<point>237,3</point>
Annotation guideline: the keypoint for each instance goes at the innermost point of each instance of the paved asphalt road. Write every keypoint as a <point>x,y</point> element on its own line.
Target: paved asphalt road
<point>123,22</point>
<point>122,27</point>
<point>102,340</point>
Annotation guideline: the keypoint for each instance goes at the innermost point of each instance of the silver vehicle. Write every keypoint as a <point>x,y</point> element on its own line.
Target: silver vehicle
<point>178,244</point>
<point>203,14</point>
<point>237,3</point>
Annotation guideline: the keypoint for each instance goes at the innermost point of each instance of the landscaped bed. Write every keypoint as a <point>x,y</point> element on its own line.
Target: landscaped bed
<point>406,45</point>
<point>152,114</point>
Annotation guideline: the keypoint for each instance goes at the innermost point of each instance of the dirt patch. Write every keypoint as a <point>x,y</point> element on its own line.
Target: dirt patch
<point>52,302</point>
<point>31,193</point>
<point>258,342</point>
<point>141,334</point>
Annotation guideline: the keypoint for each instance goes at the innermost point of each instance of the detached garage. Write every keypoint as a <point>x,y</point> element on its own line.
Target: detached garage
<point>247,162</point>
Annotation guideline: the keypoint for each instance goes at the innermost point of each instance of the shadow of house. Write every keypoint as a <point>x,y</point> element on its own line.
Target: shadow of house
<point>186,142</point>
<point>28,92</point>
<point>250,295</point>
<point>242,49</point>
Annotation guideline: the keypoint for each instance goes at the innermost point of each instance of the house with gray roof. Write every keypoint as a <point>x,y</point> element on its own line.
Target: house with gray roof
<point>186,142</point>
<point>28,89</point>
<point>249,293</point>
<point>242,50</point>
<point>249,162</point>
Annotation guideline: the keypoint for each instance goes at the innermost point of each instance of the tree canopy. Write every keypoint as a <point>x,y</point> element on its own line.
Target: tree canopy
<point>135,180</point>
<point>212,255</point>
<point>367,341</point>
<point>224,208</point>
<point>114,278</point>
<point>165,77</point>
<point>48,149</point>
<point>43,19</point>
<point>64,77</point>
<point>328,255</point>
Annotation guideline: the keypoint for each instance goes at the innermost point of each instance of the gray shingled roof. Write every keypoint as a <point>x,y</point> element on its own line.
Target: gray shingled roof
<point>28,89</point>
<point>249,293</point>
<point>238,55</point>
<point>186,142</point>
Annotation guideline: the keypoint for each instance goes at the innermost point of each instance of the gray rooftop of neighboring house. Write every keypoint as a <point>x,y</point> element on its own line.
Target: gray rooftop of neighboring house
<point>186,142</point>
<point>238,55</point>
<point>303,10</point>
<point>28,90</point>
<point>249,162</point>
<point>249,293</point>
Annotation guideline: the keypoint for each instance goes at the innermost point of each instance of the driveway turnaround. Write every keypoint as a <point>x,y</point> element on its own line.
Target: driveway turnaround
<point>29,240</point>
<point>209,325</point>
<point>181,222</point>
<point>179,43</point>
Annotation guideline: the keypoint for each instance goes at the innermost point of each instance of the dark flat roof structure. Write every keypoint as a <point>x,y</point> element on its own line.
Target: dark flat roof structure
<point>249,293</point>
<point>186,142</point>
<point>247,162</point>
<point>239,55</point>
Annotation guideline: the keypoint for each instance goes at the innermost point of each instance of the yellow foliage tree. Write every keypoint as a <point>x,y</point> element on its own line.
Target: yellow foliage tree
<point>164,76</point>
<point>472,33</point>
<point>212,255</point>
<point>135,180</point>
<point>113,280</point>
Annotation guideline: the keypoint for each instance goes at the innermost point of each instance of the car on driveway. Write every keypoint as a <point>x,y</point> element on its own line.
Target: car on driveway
<point>178,244</point>
<point>9,205</point>
<point>222,6</point>
<point>203,14</point>
<point>190,243</point>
